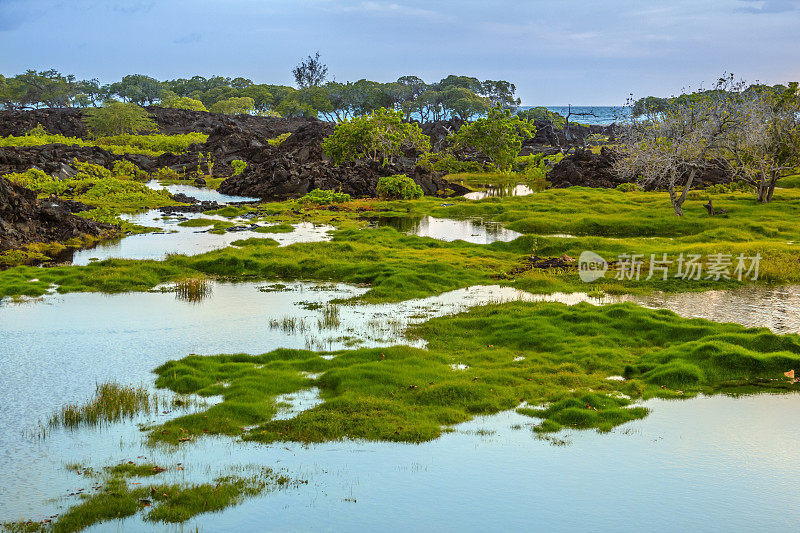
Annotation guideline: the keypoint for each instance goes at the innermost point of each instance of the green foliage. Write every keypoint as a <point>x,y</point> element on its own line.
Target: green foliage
<point>118,118</point>
<point>324,197</point>
<point>277,141</point>
<point>241,105</point>
<point>380,136</point>
<point>183,102</point>
<point>448,163</point>
<point>515,353</point>
<point>150,145</point>
<point>238,166</point>
<point>123,167</point>
<point>628,187</point>
<point>499,136</point>
<point>398,187</point>
<point>544,115</point>
<point>166,174</point>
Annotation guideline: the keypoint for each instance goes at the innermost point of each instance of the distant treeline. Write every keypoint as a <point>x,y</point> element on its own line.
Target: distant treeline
<point>654,104</point>
<point>453,96</point>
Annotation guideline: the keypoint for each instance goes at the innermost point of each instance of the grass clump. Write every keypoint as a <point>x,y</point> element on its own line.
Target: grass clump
<point>408,394</point>
<point>324,197</point>
<point>131,469</point>
<point>275,228</point>
<point>111,402</point>
<point>170,504</point>
<point>193,290</point>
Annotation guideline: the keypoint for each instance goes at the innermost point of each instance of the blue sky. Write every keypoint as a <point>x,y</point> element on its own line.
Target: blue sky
<point>556,51</point>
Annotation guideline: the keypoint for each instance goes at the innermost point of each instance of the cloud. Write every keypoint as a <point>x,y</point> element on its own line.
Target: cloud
<point>770,6</point>
<point>189,39</point>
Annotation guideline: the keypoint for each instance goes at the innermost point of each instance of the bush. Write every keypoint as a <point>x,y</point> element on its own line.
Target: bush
<point>238,105</point>
<point>277,141</point>
<point>380,136</point>
<point>118,118</point>
<point>238,166</point>
<point>184,102</point>
<point>628,187</point>
<point>398,187</point>
<point>123,168</point>
<point>324,197</point>
<point>447,162</point>
<point>498,136</point>
<point>166,174</point>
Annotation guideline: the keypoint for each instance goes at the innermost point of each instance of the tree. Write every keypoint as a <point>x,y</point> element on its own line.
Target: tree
<point>310,73</point>
<point>139,89</point>
<point>182,102</point>
<point>498,136</point>
<point>674,146</point>
<point>241,105</point>
<point>765,145</point>
<point>542,114</point>
<point>500,93</point>
<point>118,118</point>
<point>462,103</point>
<point>380,136</point>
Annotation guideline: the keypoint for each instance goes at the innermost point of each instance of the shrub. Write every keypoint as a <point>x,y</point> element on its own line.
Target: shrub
<point>166,174</point>
<point>184,102</point>
<point>277,141</point>
<point>447,162</point>
<point>127,169</point>
<point>238,166</point>
<point>238,105</point>
<point>324,197</point>
<point>628,187</point>
<point>380,136</point>
<point>398,187</point>
<point>499,136</point>
<point>118,118</point>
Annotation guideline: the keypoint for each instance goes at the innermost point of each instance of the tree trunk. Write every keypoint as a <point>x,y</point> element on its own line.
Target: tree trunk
<point>673,197</point>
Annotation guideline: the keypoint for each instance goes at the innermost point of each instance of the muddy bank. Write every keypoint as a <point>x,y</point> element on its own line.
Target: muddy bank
<point>24,219</point>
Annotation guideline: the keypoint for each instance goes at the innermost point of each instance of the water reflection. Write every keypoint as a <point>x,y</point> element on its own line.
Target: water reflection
<point>730,459</point>
<point>203,194</point>
<point>474,230</point>
<point>171,238</point>
<point>492,191</point>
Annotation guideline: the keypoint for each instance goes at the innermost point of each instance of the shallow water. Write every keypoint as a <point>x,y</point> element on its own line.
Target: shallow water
<point>499,192</point>
<point>203,194</point>
<point>473,230</point>
<point>733,460</point>
<point>174,239</point>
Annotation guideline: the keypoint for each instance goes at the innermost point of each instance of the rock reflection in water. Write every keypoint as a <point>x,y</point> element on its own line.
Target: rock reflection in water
<point>474,230</point>
<point>500,192</point>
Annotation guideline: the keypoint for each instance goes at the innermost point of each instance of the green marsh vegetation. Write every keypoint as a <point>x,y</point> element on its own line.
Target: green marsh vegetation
<point>150,145</point>
<point>111,402</point>
<point>550,361</point>
<point>115,498</point>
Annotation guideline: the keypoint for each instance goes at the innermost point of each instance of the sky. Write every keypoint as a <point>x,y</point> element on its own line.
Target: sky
<point>557,52</point>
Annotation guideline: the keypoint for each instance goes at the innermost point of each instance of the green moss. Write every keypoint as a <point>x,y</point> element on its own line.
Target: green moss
<point>276,228</point>
<point>149,145</point>
<point>516,353</point>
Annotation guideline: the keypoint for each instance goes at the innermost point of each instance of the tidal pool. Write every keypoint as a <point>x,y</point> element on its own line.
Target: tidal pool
<point>171,238</point>
<point>475,230</point>
<point>723,462</point>
<point>203,194</point>
<point>493,191</point>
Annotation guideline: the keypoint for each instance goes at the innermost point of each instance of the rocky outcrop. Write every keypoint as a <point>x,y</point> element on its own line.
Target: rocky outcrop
<point>24,219</point>
<point>299,165</point>
<point>587,169</point>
